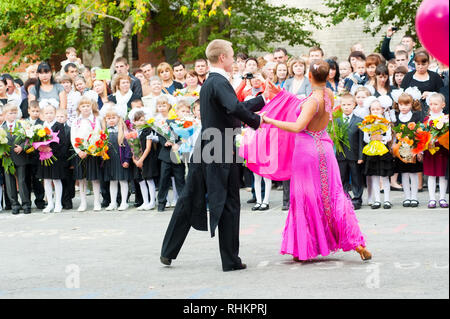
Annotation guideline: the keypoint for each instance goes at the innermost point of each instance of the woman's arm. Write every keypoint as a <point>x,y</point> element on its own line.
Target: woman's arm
<point>308,111</point>
<point>63,100</point>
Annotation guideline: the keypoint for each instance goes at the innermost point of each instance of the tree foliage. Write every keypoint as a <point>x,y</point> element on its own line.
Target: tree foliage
<point>250,25</point>
<point>376,13</point>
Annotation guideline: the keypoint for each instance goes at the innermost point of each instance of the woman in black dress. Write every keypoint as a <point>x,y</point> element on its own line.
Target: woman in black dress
<point>425,80</point>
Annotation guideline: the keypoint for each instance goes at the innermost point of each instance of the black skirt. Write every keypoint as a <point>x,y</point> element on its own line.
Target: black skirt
<point>112,168</point>
<point>401,167</point>
<point>379,165</point>
<point>89,168</point>
<point>150,167</point>
<point>57,170</point>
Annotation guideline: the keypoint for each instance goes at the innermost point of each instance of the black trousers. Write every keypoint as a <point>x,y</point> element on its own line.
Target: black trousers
<point>351,174</point>
<point>167,171</point>
<point>286,193</point>
<point>34,184</point>
<point>229,223</point>
<point>228,226</point>
<point>11,187</point>
<point>68,184</point>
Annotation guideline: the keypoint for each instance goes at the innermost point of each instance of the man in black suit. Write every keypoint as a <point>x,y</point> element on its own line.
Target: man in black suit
<point>349,162</point>
<point>20,159</point>
<point>221,115</point>
<point>121,66</point>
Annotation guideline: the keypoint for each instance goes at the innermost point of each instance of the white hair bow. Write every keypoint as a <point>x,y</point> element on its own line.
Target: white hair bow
<point>43,103</point>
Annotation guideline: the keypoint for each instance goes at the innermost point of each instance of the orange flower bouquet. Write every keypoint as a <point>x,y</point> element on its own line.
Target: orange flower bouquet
<point>408,137</point>
<point>374,125</point>
<point>95,145</point>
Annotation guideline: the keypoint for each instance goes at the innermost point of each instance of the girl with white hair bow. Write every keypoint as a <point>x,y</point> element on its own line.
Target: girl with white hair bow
<point>378,167</point>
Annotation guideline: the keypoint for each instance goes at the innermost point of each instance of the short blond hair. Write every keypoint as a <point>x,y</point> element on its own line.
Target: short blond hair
<point>8,107</point>
<point>216,48</point>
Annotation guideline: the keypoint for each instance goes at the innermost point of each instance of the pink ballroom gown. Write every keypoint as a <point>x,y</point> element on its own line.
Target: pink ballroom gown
<point>321,219</point>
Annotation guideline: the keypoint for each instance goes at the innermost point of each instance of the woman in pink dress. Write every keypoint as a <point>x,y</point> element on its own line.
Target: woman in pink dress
<point>321,218</point>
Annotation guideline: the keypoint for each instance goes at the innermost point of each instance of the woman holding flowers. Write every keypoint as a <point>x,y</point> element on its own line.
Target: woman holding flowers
<point>84,131</point>
<point>52,174</point>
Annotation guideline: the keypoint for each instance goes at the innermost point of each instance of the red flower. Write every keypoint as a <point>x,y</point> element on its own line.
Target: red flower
<point>187,124</point>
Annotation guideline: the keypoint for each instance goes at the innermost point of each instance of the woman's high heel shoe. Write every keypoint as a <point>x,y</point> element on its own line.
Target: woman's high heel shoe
<point>364,253</point>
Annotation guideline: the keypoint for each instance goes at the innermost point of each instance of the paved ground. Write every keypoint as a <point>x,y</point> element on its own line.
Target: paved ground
<point>116,255</point>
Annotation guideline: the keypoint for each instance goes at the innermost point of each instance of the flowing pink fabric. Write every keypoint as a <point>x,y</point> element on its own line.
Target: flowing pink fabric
<point>268,151</point>
<point>46,155</point>
<point>321,217</point>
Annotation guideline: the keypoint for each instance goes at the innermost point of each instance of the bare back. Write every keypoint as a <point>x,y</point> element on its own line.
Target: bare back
<point>320,120</point>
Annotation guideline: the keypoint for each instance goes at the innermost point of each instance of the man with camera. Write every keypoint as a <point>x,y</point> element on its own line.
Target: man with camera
<point>407,44</point>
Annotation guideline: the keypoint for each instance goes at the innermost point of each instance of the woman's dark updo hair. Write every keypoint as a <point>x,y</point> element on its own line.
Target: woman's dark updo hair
<point>319,70</point>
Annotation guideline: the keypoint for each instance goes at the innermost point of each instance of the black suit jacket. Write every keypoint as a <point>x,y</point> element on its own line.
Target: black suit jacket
<point>355,139</point>
<point>18,159</point>
<point>221,113</point>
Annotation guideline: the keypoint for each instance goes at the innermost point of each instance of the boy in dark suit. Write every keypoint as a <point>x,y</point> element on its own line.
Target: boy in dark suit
<point>20,159</point>
<point>349,162</point>
<point>34,184</point>
<point>68,182</point>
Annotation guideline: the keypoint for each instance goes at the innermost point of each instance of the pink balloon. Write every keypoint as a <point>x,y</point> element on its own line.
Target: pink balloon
<point>432,28</point>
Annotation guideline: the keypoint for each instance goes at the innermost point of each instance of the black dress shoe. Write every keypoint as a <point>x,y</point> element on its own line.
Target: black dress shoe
<point>251,201</point>
<point>285,207</point>
<point>240,267</point>
<point>67,206</point>
<point>256,207</point>
<point>264,207</point>
<point>7,208</point>
<point>104,204</point>
<point>376,205</point>
<point>40,206</point>
<point>137,204</point>
<point>356,206</point>
<point>27,210</point>
<point>15,211</point>
<point>387,205</point>
<point>165,261</point>
<point>161,208</point>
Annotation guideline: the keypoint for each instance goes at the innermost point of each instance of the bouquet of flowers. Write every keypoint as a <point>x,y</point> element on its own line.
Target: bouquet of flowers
<point>184,92</point>
<point>162,127</point>
<point>408,145</point>
<point>135,144</point>
<point>374,125</point>
<point>41,140</point>
<point>438,129</point>
<point>338,131</point>
<point>95,145</point>
<point>5,149</point>
<point>36,136</point>
<point>24,132</point>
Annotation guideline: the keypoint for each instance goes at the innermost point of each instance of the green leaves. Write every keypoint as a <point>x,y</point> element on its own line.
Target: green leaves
<point>376,13</point>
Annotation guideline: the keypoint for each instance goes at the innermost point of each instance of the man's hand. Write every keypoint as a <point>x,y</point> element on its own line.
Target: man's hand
<point>390,32</point>
<point>271,90</point>
<point>125,165</point>
<point>360,161</point>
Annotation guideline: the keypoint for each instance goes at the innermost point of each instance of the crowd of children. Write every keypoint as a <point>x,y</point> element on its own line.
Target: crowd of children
<point>76,105</point>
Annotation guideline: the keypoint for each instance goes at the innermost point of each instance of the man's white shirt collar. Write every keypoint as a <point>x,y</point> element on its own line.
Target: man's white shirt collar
<point>220,71</point>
